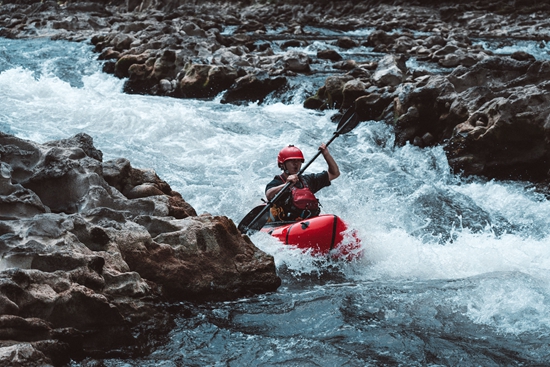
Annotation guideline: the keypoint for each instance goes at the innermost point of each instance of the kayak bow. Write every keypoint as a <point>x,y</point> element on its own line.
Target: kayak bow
<point>324,235</point>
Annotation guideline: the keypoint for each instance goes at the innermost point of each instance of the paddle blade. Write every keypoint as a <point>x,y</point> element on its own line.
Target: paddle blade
<point>348,121</point>
<point>248,223</point>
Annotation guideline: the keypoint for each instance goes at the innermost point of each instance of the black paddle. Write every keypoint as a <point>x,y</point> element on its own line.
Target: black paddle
<point>258,216</point>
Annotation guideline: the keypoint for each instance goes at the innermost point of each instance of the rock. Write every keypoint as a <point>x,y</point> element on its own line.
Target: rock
<point>77,280</point>
<point>371,106</point>
<point>204,259</point>
<point>23,354</point>
<point>15,200</point>
<point>331,94</point>
<point>293,43</point>
<point>233,55</point>
<point>296,62</point>
<point>428,139</point>
<point>206,81</point>
<point>379,40</point>
<point>122,42</point>
<point>329,55</point>
<point>124,63</point>
<point>252,88</point>
<point>351,91</point>
<point>391,71</point>
<point>345,65</point>
<point>510,142</point>
<point>522,56</point>
<point>346,43</point>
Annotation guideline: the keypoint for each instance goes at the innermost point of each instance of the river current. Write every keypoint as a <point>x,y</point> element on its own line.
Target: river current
<point>456,271</point>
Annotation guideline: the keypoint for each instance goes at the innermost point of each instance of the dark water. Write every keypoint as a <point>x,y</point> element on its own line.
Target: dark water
<point>456,272</point>
<point>375,323</point>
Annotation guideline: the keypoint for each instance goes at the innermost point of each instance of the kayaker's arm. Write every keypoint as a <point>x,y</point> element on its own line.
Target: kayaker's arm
<point>270,194</point>
<point>333,170</point>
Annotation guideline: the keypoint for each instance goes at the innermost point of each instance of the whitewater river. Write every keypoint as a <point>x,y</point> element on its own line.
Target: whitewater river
<point>456,271</point>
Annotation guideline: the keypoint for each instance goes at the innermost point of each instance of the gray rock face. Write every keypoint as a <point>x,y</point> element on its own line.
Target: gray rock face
<point>87,248</point>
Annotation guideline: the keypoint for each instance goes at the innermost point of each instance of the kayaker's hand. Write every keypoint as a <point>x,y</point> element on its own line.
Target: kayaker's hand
<point>323,148</point>
<point>292,178</point>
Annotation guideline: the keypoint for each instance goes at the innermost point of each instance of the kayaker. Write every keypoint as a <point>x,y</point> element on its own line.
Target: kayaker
<point>299,202</point>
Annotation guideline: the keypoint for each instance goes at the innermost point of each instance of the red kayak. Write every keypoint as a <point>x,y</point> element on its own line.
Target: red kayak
<point>323,235</point>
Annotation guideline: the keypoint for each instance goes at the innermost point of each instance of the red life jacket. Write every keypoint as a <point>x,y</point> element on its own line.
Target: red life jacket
<point>304,199</point>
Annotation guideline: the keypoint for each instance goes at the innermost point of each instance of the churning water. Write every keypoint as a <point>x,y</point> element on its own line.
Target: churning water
<point>456,271</point>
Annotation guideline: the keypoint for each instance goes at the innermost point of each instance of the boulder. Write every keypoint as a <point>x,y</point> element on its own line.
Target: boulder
<point>296,62</point>
<point>329,55</point>
<point>506,137</point>
<point>252,88</point>
<point>391,71</point>
<point>351,91</point>
<point>87,249</point>
<point>205,81</point>
<point>346,43</point>
<point>331,94</point>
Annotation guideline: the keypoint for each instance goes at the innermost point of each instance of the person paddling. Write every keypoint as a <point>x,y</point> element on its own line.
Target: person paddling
<point>299,202</point>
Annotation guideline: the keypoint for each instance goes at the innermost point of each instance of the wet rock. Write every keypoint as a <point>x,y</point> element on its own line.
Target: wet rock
<point>346,43</point>
<point>205,81</point>
<point>329,55</point>
<point>380,40</point>
<point>372,106</point>
<point>391,71</point>
<point>15,200</point>
<point>507,136</point>
<point>296,62</point>
<point>522,56</point>
<point>351,91</point>
<point>23,354</point>
<point>293,43</point>
<point>345,65</point>
<point>331,94</point>
<point>204,254</point>
<point>88,248</point>
<point>252,88</point>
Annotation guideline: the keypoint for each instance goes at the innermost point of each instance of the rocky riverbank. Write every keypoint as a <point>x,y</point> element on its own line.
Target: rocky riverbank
<point>490,111</point>
<point>92,249</point>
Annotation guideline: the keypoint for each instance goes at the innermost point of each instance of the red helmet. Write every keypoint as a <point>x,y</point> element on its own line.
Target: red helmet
<point>290,152</point>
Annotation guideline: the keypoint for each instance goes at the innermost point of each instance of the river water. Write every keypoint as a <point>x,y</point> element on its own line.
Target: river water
<point>456,271</point>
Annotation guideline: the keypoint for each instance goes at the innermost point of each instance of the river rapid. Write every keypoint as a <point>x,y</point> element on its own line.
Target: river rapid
<point>456,271</point>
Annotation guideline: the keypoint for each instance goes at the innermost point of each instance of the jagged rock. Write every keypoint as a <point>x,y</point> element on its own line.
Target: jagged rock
<point>296,62</point>
<point>505,137</point>
<point>351,91</point>
<point>204,81</point>
<point>78,278</point>
<point>371,106</point>
<point>331,94</point>
<point>204,259</point>
<point>252,88</point>
<point>391,71</point>
<point>23,354</point>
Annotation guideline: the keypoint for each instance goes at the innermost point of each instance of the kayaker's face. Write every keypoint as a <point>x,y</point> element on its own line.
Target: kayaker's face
<point>293,166</point>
